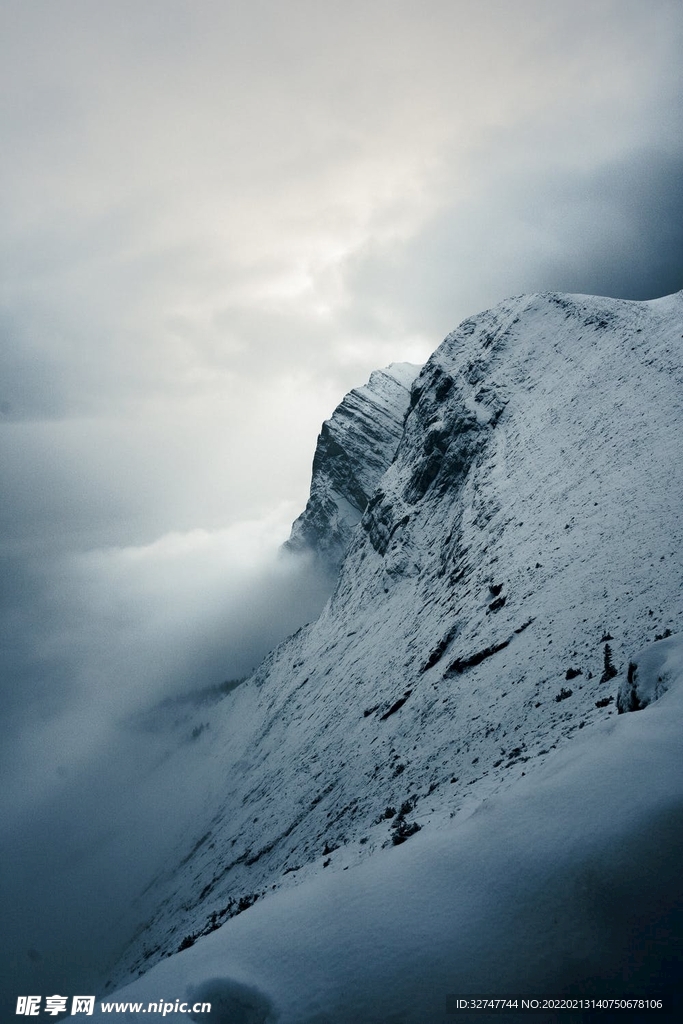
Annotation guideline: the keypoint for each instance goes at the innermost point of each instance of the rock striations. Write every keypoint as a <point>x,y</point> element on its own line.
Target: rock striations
<point>355,447</point>
<point>525,540</point>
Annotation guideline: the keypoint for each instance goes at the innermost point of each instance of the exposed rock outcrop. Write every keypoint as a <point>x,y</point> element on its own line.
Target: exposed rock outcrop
<point>355,447</point>
<point>649,675</point>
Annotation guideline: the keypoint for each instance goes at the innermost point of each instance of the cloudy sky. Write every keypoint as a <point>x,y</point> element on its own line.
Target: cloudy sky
<point>219,216</point>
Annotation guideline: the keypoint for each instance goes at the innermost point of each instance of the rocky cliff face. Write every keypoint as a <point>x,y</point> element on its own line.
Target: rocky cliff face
<point>524,540</point>
<point>355,447</point>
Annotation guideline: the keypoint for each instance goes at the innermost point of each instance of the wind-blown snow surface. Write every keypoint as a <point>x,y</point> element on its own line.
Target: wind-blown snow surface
<point>569,882</point>
<point>523,544</point>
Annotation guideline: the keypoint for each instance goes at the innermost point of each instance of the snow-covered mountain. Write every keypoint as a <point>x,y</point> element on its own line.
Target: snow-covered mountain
<point>515,559</point>
<point>355,448</point>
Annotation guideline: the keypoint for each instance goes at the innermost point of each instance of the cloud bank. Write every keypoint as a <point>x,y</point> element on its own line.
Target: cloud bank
<point>101,772</point>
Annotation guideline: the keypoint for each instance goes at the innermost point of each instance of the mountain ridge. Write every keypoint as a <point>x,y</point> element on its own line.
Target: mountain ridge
<point>355,447</point>
<point>523,542</point>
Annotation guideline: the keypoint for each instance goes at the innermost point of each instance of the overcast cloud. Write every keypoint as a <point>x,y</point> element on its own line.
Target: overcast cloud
<point>219,217</point>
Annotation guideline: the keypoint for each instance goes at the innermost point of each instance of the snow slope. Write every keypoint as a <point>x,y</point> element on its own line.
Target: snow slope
<point>567,883</point>
<point>524,542</point>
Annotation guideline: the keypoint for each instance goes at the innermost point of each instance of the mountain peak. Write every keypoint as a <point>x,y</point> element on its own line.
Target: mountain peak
<point>355,447</point>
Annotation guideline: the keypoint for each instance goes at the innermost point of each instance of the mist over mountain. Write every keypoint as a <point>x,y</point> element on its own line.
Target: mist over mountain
<point>513,581</point>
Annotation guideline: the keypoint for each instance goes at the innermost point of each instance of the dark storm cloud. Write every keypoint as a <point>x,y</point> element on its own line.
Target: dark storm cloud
<point>629,244</point>
<point>186,183</point>
<point>615,230</point>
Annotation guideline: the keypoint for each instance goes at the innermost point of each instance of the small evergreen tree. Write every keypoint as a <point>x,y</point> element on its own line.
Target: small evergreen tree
<point>609,669</point>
